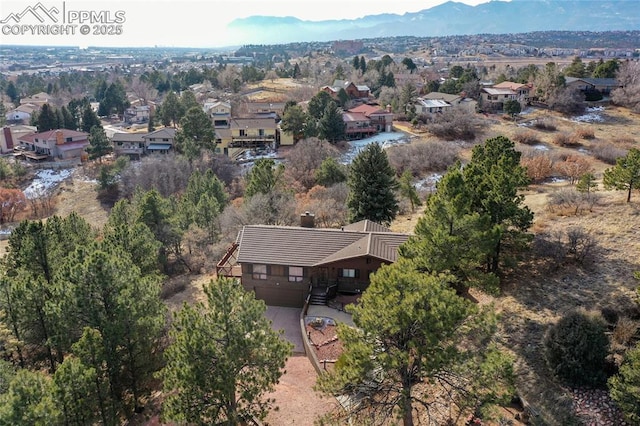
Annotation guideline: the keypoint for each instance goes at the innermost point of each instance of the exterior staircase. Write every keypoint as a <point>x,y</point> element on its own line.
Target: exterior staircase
<point>319,296</point>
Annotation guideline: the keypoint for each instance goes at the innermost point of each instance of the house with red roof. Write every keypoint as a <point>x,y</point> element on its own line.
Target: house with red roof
<point>63,144</point>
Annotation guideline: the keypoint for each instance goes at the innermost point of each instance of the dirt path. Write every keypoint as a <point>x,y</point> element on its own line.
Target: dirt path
<point>298,403</point>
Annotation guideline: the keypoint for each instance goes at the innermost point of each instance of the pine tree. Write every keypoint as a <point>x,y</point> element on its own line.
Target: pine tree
<point>331,126</point>
<point>625,175</point>
<point>372,182</point>
<point>223,358</point>
<point>407,343</point>
<point>46,119</point>
<point>99,144</point>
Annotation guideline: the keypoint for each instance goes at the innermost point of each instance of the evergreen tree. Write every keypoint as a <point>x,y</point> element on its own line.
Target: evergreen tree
<point>625,175</point>
<point>223,358</point>
<point>624,387</point>
<point>196,133</point>
<point>68,121</point>
<point>293,122</point>
<point>47,119</point>
<point>576,69</point>
<point>263,178</point>
<point>330,172</point>
<point>495,175</point>
<point>74,392</point>
<point>124,233</point>
<point>89,119</point>
<point>171,110</point>
<point>408,341</point>
<point>372,183</point>
<point>408,190</point>
<point>99,144</point>
<point>188,100</point>
<point>12,92</point>
<point>28,401</point>
<point>331,126</point>
<point>451,238</point>
<point>108,293</point>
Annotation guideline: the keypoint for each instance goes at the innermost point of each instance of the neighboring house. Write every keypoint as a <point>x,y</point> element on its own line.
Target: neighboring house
<point>494,97</point>
<point>60,144</point>
<point>10,135</point>
<point>137,114</point>
<point>131,144</point>
<point>21,114</point>
<point>357,125</point>
<point>247,133</point>
<point>265,108</point>
<point>381,118</point>
<point>602,85</point>
<point>522,91</point>
<point>38,99</point>
<point>219,112</point>
<point>431,106</point>
<point>282,264</point>
<point>159,141</point>
<point>353,90</point>
<point>446,97</point>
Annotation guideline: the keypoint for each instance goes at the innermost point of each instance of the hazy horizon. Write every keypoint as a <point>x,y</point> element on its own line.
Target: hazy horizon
<point>190,24</point>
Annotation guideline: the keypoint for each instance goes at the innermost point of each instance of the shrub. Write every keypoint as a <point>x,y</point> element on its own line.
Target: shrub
<point>566,199</point>
<point>608,153</point>
<point>584,133</point>
<point>420,158</point>
<point>454,124</point>
<point>574,167</point>
<point>565,139</point>
<point>624,386</point>
<point>625,330</point>
<point>526,137</point>
<point>539,166</point>
<point>575,348</point>
<point>546,124</point>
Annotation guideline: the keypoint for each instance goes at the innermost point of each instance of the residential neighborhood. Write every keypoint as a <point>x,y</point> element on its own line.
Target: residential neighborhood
<point>386,231</point>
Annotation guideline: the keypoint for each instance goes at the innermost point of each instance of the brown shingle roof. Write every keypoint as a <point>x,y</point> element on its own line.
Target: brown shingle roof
<point>297,246</point>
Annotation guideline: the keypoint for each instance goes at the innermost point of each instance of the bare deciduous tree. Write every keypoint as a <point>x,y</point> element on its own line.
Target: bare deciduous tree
<point>629,79</point>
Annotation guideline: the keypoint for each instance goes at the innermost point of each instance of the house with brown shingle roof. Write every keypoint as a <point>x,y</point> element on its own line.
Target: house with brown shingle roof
<point>283,264</point>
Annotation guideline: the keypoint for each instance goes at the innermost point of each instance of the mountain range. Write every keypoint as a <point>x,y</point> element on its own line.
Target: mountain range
<point>450,18</point>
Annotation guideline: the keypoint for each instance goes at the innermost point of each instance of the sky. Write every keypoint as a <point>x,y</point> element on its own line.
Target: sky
<point>190,23</point>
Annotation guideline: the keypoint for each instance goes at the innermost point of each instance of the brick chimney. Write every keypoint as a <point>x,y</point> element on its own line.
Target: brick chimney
<point>307,220</point>
<point>59,137</point>
<point>8,137</point>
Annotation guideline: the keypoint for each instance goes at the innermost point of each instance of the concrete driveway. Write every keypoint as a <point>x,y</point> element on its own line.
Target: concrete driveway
<point>287,319</point>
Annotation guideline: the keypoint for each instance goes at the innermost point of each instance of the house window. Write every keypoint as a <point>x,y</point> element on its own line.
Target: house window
<point>242,132</point>
<point>259,272</point>
<point>295,274</point>
<point>165,140</point>
<point>349,273</point>
<point>261,132</point>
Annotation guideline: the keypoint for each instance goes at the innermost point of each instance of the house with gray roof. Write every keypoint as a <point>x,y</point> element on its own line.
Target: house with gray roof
<point>137,144</point>
<point>283,265</point>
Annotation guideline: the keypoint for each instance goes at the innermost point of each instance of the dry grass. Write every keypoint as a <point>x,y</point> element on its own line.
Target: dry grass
<point>535,297</point>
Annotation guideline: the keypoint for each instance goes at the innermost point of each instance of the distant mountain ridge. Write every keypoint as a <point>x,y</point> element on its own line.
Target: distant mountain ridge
<point>451,18</point>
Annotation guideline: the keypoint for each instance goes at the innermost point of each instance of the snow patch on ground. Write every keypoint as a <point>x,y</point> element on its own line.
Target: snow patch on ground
<point>428,183</point>
<point>386,139</point>
<point>591,115</point>
<point>46,180</point>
